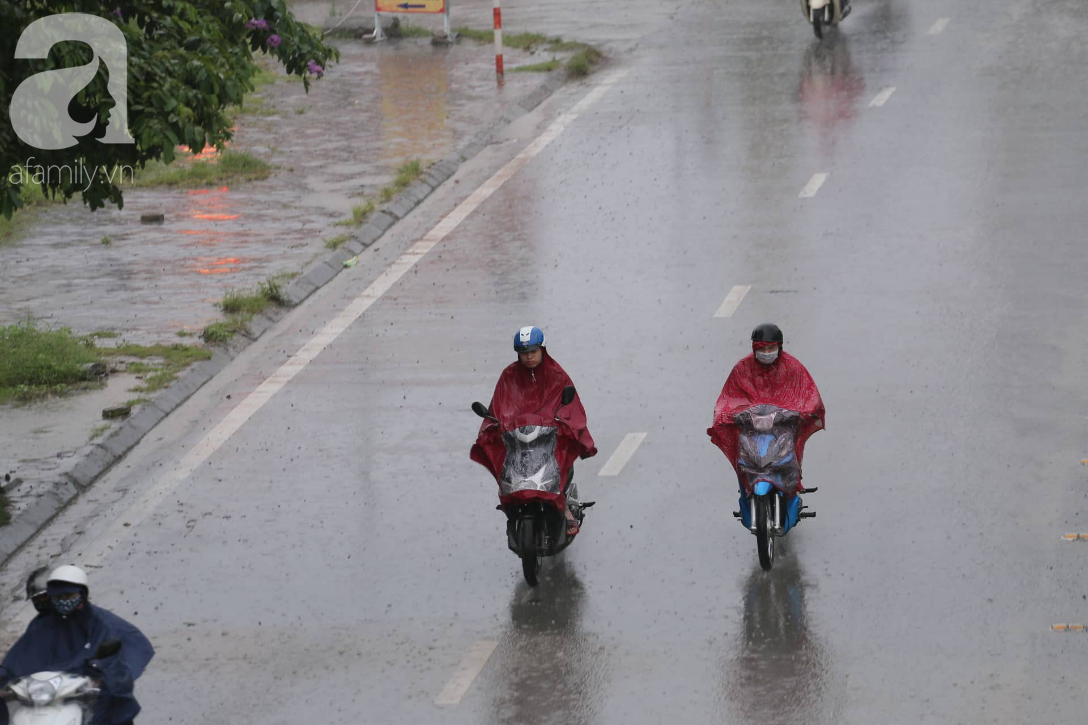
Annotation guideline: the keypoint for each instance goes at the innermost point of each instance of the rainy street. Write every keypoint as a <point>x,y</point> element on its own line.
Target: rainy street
<point>306,539</point>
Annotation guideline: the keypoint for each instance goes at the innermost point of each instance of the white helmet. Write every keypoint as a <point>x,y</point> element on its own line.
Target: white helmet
<point>69,575</point>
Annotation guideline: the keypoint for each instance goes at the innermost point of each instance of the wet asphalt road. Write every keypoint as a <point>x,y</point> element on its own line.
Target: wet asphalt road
<point>338,558</point>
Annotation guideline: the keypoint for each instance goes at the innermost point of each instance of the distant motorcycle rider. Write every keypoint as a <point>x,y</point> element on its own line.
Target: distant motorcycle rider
<point>37,592</point>
<point>65,638</point>
<point>768,376</point>
<point>533,384</point>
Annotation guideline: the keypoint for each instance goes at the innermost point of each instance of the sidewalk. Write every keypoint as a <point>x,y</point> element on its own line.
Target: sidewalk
<point>381,106</point>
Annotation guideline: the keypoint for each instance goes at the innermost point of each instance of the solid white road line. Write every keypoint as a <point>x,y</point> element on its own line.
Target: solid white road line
<point>939,26</point>
<point>813,186</point>
<point>619,459</point>
<point>882,97</point>
<point>732,300</point>
<point>466,674</point>
<point>234,420</point>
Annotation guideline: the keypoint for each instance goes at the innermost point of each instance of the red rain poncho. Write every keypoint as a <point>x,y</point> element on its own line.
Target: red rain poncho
<point>531,397</point>
<point>785,383</point>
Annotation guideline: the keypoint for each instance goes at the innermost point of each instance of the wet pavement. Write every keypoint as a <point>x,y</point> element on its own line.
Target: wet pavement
<point>338,557</point>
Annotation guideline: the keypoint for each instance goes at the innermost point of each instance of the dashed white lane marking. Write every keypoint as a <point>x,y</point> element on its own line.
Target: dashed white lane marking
<point>619,459</point>
<point>813,186</point>
<point>234,420</point>
<point>732,300</point>
<point>466,674</point>
<point>882,97</point>
<point>939,26</point>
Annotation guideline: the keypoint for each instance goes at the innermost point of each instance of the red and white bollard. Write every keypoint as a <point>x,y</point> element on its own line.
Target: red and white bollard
<point>498,38</point>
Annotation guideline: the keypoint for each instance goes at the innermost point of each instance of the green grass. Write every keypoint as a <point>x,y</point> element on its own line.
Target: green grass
<point>185,333</point>
<point>406,174</point>
<point>301,111</point>
<point>359,214</point>
<point>158,375</point>
<point>545,67</point>
<point>337,242</point>
<point>220,331</point>
<point>106,241</point>
<point>236,303</point>
<point>98,430</point>
<point>176,354</point>
<point>34,199</point>
<point>582,62</point>
<point>137,401</point>
<point>240,308</point>
<point>413,31</point>
<point>481,36</point>
<point>103,335</point>
<point>228,166</point>
<point>37,362</point>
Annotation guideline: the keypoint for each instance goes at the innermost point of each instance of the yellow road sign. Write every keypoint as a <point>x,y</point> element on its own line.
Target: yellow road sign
<point>410,6</point>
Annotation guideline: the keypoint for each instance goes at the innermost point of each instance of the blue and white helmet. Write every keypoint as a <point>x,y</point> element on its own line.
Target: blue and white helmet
<point>528,339</point>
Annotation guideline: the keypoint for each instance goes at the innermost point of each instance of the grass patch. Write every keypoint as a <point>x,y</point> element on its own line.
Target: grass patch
<point>300,111</point>
<point>98,430</point>
<point>481,36</point>
<point>412,31</point>
<point>185,333</point>
<point>158,375</point>
<point>236,303</point>
<point>337,242</point>
<point>36,363</point>
<point>157,380</point>
<point>406,174</point>
<point>582,62</point>
<point>106,241</point>
<point>545,67</point>
<point>103,335</point>
<point>359,214</point>
<point>241,308</point>
<point>5,517</point>
<point>137,401</point>
<point>220,332</point>
<point>227,166</point>
<point>34,199</point>
<point>175,355</point>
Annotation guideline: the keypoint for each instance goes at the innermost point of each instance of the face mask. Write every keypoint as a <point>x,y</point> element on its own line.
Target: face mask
<point>64,607</point>
<point>766,357</point>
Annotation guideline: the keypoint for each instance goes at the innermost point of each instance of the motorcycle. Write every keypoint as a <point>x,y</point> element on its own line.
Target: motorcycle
<point>770,475</point>
<point>56,698</point>
<point>532,492</point>
<point>823,13</point>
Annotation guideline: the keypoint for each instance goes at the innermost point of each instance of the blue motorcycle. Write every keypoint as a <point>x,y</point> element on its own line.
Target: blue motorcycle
<point>770,475</point>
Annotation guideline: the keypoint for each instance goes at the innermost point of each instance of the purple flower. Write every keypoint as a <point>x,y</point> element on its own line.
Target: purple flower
<point>314,68</point>
<point>274,41</point>
<point>256,24</point>
<point>118,14</point>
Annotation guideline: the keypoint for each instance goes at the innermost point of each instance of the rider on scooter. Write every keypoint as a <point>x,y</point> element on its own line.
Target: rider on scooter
<point>532,384</point>
<point>768,376</point>
<point>65,639</point>
<point>37,591</point>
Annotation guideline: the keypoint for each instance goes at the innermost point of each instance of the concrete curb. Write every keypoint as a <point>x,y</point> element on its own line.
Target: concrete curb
<point>96,459</point>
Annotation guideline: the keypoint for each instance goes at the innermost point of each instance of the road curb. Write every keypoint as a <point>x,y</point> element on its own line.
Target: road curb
<point>96,459</point>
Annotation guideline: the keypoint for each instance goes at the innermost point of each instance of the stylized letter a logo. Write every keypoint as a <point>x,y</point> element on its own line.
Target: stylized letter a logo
<point>39,106</point>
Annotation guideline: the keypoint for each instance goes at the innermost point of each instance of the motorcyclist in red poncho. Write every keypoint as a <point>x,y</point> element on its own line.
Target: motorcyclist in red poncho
<point>529,392</point>
<point>769,376</point>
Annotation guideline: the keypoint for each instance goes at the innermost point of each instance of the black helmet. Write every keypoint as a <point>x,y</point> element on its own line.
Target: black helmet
<point>767,332</point>
<point>35,583</point>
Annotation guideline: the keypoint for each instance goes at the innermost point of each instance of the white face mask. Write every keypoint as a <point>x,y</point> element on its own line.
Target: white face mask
<point>767,357</point>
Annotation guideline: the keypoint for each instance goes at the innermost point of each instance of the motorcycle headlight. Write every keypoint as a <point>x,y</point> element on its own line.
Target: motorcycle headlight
<point>41,692</point>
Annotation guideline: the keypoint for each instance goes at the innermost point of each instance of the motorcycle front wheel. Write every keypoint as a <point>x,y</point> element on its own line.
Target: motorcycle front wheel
<point>764,513</point>
<point>529,551</point>
<point>818,28</point>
